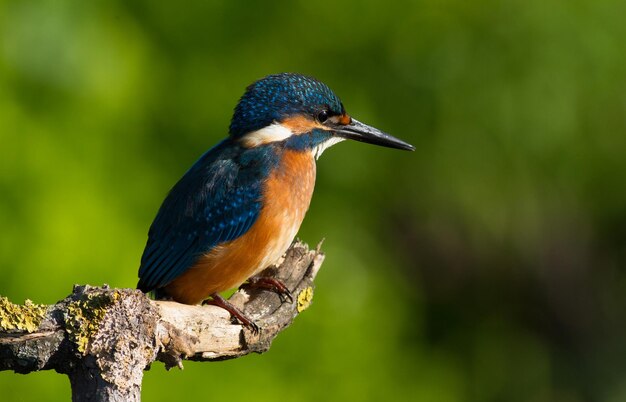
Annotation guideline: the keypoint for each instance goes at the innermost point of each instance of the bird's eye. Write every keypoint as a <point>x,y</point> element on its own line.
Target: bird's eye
<point>322,116</point>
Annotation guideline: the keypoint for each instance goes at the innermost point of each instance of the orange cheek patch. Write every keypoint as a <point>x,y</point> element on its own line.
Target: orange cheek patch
<point>300,124</point>
<point>345,119</point>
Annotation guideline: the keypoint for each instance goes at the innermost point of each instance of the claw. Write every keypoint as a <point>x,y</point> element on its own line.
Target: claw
<point>219,301</point>
<point>264,282</point>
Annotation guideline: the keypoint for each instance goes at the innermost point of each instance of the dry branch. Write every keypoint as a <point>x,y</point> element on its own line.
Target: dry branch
<point>104,338</point>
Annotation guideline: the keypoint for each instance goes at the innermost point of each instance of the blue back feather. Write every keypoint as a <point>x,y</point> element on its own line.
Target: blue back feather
<point>216,201</point>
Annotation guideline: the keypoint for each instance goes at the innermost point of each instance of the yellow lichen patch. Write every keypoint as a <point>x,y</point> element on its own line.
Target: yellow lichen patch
<point>83,317</point>
<point>25,317</point>
<point>304,299</point>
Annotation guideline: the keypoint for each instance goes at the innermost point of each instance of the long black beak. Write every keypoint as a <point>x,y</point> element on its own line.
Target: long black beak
<point>364,133</point>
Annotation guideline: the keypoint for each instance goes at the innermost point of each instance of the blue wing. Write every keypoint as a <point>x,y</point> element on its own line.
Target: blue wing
<point>216,201</point>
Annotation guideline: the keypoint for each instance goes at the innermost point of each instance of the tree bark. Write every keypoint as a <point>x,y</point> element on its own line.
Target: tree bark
<point>104,338</point>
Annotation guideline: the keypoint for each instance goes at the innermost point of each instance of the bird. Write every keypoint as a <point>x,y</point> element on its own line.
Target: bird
<point>239,207</point>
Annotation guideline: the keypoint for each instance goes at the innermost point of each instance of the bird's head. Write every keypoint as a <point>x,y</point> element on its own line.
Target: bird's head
<point>302,113</point>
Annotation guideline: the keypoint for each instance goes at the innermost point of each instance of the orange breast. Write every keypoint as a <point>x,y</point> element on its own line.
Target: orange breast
<point>286,198</point>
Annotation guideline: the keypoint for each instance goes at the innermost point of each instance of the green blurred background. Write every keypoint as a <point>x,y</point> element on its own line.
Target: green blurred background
<point>489,265</point>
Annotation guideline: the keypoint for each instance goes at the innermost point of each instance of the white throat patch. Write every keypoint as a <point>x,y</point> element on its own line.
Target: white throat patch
<point>318,150</point>
<point>272,133</point>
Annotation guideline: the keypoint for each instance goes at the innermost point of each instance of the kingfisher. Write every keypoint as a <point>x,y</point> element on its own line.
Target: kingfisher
<point>238,208</point>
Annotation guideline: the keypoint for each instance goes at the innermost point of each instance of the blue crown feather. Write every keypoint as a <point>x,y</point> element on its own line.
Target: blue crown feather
<point>278,96</point>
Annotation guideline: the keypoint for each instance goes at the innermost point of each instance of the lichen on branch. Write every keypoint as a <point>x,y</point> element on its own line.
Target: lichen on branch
<point>16,317</point>
<point>83,316</point>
